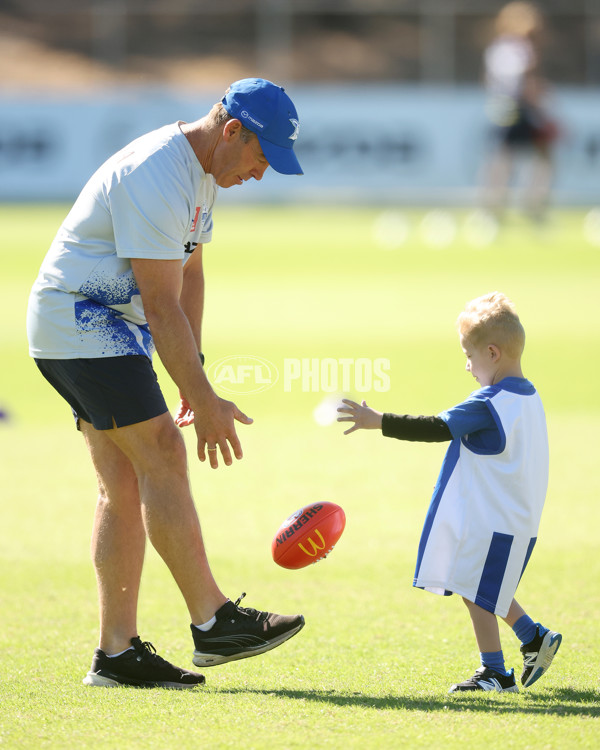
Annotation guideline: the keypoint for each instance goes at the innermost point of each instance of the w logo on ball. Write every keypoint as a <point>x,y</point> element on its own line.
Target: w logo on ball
<point>308,535</point>
<point>315,547</point>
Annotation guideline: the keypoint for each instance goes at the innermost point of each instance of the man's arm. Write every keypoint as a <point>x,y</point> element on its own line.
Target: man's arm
<point>161,284</point>
<point>192,304</point>
<point>192,294</point>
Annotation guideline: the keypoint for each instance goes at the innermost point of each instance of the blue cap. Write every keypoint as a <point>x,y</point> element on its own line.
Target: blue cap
<point>265,109</point>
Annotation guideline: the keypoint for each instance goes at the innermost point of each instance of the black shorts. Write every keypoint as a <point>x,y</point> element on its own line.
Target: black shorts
<point>522,132</point>
<point>109,391</point>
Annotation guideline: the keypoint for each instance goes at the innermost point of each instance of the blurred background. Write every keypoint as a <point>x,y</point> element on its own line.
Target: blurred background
<point>391,93</point>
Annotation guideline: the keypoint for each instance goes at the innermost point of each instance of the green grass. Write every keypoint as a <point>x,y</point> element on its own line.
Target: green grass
<point>373,664</point>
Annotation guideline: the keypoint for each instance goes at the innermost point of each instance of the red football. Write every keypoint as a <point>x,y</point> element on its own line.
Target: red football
<point>308,536</point>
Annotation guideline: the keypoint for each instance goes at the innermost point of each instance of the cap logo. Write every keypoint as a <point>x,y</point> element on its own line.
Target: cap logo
<point>247,116</point>
<point>296,126</point>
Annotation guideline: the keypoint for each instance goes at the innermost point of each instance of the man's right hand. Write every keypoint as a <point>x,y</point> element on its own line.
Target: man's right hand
<point>215,429</point>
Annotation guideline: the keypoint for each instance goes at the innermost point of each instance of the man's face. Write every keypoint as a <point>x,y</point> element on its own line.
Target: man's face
<point>235,161</point>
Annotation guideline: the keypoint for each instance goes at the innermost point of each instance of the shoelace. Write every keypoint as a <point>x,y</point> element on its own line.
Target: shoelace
<point>146,651</point>
<point>249,611</point>
<point>242,596</point>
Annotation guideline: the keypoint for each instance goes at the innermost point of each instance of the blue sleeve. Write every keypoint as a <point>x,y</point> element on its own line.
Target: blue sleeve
<point>468,417</point>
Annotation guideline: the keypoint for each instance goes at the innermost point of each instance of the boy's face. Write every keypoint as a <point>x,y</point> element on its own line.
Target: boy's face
<point>482,361</point>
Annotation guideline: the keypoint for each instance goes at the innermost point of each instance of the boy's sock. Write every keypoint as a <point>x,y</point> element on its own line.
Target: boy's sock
<point>525,629</point>
<point>494,660</point>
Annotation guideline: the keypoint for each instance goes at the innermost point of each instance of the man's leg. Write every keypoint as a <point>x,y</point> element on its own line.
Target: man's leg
<point>118,541</point>
<point>118,545</point>
<point>156,452</point>
<point>144,491</point>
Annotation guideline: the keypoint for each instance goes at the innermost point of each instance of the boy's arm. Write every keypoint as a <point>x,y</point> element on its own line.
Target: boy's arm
<point>469,417</point>
<point>421,429</point>
<point>401,426</point>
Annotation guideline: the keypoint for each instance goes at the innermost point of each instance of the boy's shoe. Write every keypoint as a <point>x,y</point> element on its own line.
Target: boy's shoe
<point>240,632</point>
<point>488,679</point>
<point>538,655</point>
<point>140,667</point>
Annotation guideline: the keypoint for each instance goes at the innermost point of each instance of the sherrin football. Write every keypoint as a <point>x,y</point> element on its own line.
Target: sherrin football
<point>308,535</point>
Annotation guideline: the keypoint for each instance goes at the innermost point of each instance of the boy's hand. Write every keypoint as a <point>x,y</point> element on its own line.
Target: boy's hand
<point>363,416</point>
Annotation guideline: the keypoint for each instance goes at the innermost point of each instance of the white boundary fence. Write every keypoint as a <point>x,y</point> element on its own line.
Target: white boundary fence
<point>369,144</point>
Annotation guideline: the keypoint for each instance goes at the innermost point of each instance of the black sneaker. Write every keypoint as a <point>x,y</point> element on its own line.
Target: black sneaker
<point>538,655</point>
<point>240,632</point>
<point>488,679</point>
<point>141,667</point>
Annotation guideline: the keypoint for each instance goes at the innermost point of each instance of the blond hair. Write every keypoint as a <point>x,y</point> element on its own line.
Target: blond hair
<point>492,319</point>
<point>519,19</point>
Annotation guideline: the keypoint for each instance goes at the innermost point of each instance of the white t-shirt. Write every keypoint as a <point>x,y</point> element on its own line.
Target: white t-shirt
<point>484,515</point>
<point>150,200</point>
<point>507,60</point>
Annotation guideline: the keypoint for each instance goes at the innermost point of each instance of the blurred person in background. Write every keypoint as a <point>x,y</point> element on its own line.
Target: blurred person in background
<point>516,107</point>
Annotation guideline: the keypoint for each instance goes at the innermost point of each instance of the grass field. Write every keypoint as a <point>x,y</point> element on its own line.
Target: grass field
<point>373,664</point>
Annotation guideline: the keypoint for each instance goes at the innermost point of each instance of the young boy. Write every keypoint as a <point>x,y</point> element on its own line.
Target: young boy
<point>482,522</point>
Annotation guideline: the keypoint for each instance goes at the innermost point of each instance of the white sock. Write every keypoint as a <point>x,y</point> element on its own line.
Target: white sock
<point>207,625</point>
<point>112,656</point>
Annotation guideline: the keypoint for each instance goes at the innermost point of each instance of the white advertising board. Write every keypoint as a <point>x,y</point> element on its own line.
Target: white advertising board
<point>359,144</point>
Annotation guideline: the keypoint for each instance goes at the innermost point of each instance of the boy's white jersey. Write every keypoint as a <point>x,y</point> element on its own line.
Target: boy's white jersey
<point>484,515</point>
<point>150,200</point>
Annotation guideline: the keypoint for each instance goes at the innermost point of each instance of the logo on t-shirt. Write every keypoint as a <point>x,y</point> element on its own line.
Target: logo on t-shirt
<point>195,221</point>
<point>200,217</point>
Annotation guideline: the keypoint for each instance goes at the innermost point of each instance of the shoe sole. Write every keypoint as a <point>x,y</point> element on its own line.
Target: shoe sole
<point>470,691</point>
<point>97,680</point>
<point>544,658</point>
<point>202,659</point>
<point>456,690</point>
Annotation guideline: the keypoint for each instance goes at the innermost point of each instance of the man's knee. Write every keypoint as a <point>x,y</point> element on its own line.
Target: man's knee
<point>160,447</point>
<point>118,486</point>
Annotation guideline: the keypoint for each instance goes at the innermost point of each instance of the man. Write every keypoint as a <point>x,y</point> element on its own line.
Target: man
<point>124,277</point>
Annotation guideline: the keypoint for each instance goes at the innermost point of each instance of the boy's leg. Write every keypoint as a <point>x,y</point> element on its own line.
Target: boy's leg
<point>485,625</point>
<point>538,644</point>
<point>491,675</point>
<point>523,626</point>
<point>487,634</point>
<point>515,612</point>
